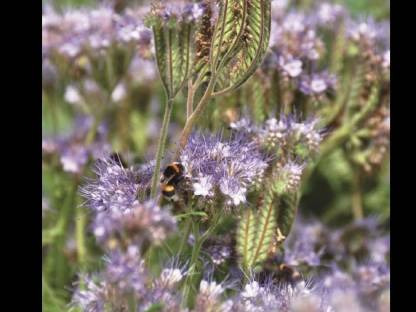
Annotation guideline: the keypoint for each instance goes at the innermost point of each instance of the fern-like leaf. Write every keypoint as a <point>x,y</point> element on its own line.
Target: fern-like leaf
<point>246,237</point>
<point>248,48</point>
<point>266,228</point>
<point>228,30</point>
<point>173,55</point>
<point>286,213</point>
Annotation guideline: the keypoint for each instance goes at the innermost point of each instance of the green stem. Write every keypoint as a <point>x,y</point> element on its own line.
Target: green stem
<point>161,146</point>
<point>80,225</point>
<point>357,200</point>
<point>190,99</point>
<point>192,276</point>
<point>188,227</point>
<point>62,226</point>
<point>342,134</point>
<point>194,117</point>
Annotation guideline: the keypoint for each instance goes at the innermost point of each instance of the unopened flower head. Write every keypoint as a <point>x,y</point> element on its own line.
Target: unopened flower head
<point>287,178</point>
<point>302,138</point>
<point>208,298</point>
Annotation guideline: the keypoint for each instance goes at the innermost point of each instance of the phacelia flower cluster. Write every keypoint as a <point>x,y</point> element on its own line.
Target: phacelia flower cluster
<point>112,196</point>
<point>179,11</point>
<point>124,280</point>
<point>72,150</point>
<point>77,32</point>
<point>300,139</point>
<point>222,167</point>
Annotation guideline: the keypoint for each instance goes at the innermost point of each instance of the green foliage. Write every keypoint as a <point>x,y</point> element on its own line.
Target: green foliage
<point>266,227</point>
<point>288,204</point>
<point>173,55</point>
<point>245,47</point>
<point>256,231</point>
<point>246,236</point>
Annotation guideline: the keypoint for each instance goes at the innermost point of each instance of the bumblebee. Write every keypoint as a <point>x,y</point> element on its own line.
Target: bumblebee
<point>281,273</point>
<point>171,177</point>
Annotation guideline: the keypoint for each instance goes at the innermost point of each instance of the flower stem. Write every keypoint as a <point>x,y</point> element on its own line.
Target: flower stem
<point>192,276</point>
<point>194,117</point>
<point>188,227</point>
<point>190,99</point>
<point>357,200</point>
<point>80,225</point>
<point>161,146</point>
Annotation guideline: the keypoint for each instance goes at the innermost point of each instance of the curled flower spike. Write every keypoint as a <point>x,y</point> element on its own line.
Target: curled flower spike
<point>301,139</point>
<point>287,178</point>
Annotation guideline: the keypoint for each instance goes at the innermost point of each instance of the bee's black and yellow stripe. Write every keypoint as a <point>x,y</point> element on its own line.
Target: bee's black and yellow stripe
<point>168,190</point>
<point>170,178</point>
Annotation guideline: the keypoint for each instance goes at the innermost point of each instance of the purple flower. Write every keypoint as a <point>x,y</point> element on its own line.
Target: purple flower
<point>329,14</point>
<point>91,32</point>
<point>72,150</point>
<point>114,188</point>
<point>317,83</point>
<point>291,67</point>
<point>177,11</point>
<point>303,245</point>
<point>230,167</point>
<point>142,222</point>
<point>300,137</point>
<point>126,272</point>
<point>91,297</point>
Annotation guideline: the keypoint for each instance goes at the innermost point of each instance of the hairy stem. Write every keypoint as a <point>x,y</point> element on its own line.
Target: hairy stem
<point>161,146</point>
<point>192,278</point>
<point>194,117</point>
<point>357,200</point>
<point>190,99</point>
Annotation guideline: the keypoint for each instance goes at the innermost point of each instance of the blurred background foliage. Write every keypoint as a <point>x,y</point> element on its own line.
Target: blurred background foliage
<point>380,9</point>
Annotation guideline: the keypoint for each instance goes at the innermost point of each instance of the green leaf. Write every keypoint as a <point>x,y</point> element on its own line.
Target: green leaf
<point>246,52</point>
<point>173,55</point>
<point>256,97</point>
<point>286,213</point>
<point>266,228</point>
<point>228,30</point>
<point>192,213</point>
<point>156,307</point>
<point>246,237</point>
